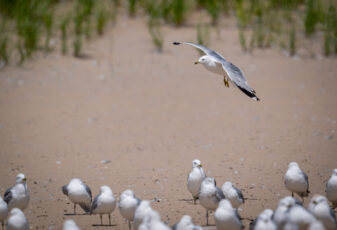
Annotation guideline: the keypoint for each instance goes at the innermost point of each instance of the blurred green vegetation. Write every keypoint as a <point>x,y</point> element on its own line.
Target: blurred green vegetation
<point>28,27</point>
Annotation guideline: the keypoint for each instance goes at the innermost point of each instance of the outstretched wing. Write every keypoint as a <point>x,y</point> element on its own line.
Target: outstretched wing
<point>203,49</point>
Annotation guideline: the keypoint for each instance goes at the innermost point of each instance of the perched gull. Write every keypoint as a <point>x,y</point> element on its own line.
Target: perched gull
<point>226,217</point>
<point>283,207</point>
<point>233,194</point>
<point>17,220</point>
<point>210,195</point>
<point>79,193</point>
<point>127,204</point>
<point>296,181</point>
<point>319,207</point>
<point>264,221</point>
<point>331,189</point>
<point>300,216</point>
<point>70,225</point>
<point>18,195</point>
<point>216,63</point>
<point>3,212</point>
<point>104,203</point>
<point>185,223</point>
<point>144,209</point>
<point>196,176</point>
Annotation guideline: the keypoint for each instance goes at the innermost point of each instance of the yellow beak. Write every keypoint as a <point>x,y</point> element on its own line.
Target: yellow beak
<point>200,166</point>
<point>196,62</point>
<point>24,179</point>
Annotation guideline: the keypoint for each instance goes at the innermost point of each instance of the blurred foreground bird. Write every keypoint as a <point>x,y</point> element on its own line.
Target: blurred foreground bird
<point>79,193</point>
<point>296,181</point>
<point>17,220</point>
<point>185,223</point>
<point>233,194</point>
<point>210,195</point>
<point>331,189</point>
<point>216,63</point>
<point>70,225</point>
<point>18,195</point>
<point>319,207</point>
<point>3,212</point>
<point>127,205</point>
<point>104,203</point>
<point>264,221</point>
<point>142,211</point>
<point>195,177</point>
<point>226,217</point>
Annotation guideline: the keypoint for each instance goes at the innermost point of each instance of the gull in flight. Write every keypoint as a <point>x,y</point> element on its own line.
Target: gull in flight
<point>216,63</point>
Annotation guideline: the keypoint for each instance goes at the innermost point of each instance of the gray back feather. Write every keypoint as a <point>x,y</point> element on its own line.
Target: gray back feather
<point>8,195</point>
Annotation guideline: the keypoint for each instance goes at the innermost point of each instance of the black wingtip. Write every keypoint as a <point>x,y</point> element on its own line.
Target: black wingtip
<point>249,94</point>
<point>176,43</point>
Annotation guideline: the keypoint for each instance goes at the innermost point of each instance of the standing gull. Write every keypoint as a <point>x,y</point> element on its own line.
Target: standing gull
<point>104,203</point>
<point>196,176</point>
<point>18,195</point>
<point>210,195</point>
<point>319,207</point>
<point>127,204</point>
<point>185,223</point>
<point>70,225</point>
<point>331,189</point>
<point>216,63</point>
<point>233,194</point>
<point>79,193</point>
<point>226,217</point>
<point>3,212</point>
<point>296,181</point>
<point>17,220</point>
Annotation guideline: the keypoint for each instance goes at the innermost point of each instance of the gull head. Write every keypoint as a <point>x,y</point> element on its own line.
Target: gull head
<point>105,189</point>
<point>318,199</point>
<point>225,204</point>
<point>186,222</point>
<point>292,165</point>
<point>205,60</point>
<point>227,186</point>
<point>209,181</point>
<point>127,193</point>
<point>334,172</point>
<point>196,163</point>
<point>20,178</point>
<point>288,202</point>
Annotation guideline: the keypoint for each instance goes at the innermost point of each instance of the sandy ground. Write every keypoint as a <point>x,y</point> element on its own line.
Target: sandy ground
<point>151,114</point>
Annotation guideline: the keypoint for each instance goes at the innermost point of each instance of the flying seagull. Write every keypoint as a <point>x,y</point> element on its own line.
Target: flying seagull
<point>216,63</point>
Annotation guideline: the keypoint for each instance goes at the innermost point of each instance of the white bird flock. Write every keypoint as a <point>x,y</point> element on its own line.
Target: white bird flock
<point>290,214</point>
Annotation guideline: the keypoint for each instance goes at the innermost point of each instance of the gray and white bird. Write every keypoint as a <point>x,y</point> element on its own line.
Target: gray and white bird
<point>281,213</point>
<point>185,223</point>
<point>316,225</point>
<point>233,194</point>
<point>127,205</point>
<point>70,225</point>
<point>331,189</point>
<point>264,221</point>
<point>210,195</point>
<point>3,212</point>
<point>104,203</point>
<point>195,177</point>
<point>17,220</point>
<point>296,181</point>
<point>79,193</point>
<point>300,216</point>
<point>18,195</point>
<point>143,210</point>
<point>226,217</point>
<point>153,222</point>
<point>216,63</point>
<point>319,207</point>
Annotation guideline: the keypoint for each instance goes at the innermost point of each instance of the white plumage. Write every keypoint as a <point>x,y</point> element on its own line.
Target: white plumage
<point>195,177</point>
<point>185,223</point>
<point>18,195</point>
<point>127,204</point>
<point>331,189</point>
<point>210,195</point>
<point>226,217</point>
<point>143,210</point>
<point>296,181</point>
<point>70,225</point>
<point>319,207</point>
<point>264,221</point>
<point>79,193</point>
<point>301,217</point>
<point>233,194</point>
<point>17,220</point>
<point>104,203</point>
<point>283,207</point>
<point>3,212</point>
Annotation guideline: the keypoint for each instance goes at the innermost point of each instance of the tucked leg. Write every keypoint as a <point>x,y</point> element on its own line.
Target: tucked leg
<point>206,217</point>
<point>74,209</point>
<point>129,225</point>
<point>101,219</point>
<point>109,219</point>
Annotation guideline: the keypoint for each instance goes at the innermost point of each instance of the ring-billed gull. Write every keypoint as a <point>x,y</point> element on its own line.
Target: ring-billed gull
<point>185,223</point>
<point>144,209</point>
<point>264,221</point>
<point>331,189</point>
<point>127,204</point>
<point>296,181</point>
<point>79,193</point>
<point>300,216</point>
<point>104,203</point>
<point>233,194</point>
<point>210,195</point>
<point>17,220</point>
<point>18,195</point>
<point>70,225</point>
<point>226,217</point>
<point>283,207</point>
<point>319,207</point>
<point>216,63</point>
<point>195,177</point>
<point>3,212</point>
